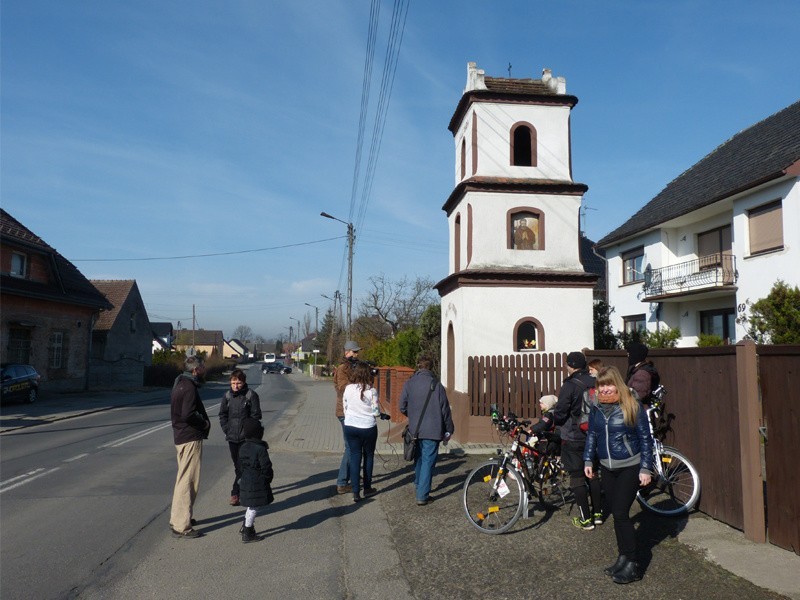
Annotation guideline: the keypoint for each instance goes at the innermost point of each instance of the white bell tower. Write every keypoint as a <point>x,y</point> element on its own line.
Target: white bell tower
<point>515,282</point>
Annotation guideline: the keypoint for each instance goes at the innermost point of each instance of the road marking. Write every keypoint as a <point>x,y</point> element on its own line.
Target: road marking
<point>135,436</point>
<point>26,478</point>
<point>84,455</point>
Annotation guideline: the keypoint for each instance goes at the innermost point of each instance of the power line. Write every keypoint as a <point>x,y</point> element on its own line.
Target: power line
<point>207,255</point>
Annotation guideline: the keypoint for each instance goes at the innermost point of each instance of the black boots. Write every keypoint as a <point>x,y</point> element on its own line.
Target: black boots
<point>248,534</point>
<point>628,573</point>
<point>621,560</point>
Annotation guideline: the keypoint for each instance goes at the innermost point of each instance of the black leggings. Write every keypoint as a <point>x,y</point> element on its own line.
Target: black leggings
<point>620,486</point>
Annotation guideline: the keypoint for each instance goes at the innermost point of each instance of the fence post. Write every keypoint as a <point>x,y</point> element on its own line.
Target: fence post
<point>750,442</point>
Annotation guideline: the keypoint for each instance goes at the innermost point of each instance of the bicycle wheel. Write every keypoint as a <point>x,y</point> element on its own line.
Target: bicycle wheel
<point>677,491</point>
<point>489,510</point>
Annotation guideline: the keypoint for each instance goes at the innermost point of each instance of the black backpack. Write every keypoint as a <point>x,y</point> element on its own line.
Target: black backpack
<point>588,400</point>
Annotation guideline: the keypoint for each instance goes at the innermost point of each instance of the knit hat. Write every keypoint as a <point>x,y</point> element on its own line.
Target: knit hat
<point>251,428</point>
<point>576,360</point>
<point>548,402</point>
<point>637,352</point>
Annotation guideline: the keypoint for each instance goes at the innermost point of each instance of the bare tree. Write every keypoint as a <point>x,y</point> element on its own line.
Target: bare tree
<point>397,304</point>
<point>306,324</point>
<point>243,333</point>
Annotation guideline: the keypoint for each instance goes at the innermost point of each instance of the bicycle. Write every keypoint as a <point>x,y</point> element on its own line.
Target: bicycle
<point>675,487</point>
<point>498,492</point>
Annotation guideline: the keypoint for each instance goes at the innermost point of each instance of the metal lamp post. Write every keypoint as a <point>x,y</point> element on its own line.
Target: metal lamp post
<point>351,235</point>
<point>316,321</point>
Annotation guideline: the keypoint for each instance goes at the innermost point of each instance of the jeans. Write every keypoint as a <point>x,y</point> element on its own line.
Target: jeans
<point>361,444</point>
<point>427,453</point>
<point>620,487</point>
<point>344,468</point>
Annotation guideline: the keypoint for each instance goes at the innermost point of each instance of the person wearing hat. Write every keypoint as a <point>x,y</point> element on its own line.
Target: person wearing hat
<point>545,427</point>
<point>342,377</point>
<point>567,413</point>
<point>642,374</point>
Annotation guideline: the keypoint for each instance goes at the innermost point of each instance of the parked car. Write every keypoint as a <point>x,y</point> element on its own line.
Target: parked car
<point>276,367</point>
<point>19,382</point>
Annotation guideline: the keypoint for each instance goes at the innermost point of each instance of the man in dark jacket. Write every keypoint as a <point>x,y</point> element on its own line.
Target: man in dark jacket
<point>190,426</point>
<point>435,424</point>
<point>567,413</point>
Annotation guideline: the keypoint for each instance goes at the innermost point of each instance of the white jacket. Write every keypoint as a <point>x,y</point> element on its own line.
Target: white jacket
<point>360,412</point>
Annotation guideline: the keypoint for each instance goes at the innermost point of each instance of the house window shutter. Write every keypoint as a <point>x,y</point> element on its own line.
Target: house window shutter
<point>766,227</point>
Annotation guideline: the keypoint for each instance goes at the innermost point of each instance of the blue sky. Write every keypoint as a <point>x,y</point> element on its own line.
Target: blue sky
<point>136,130</point>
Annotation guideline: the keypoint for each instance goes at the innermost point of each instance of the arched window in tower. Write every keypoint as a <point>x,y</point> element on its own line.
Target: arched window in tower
<point>523,145</point>
<point>457,244</point>
<point>463,157</point>
<point>525,229</point>
<point>528,335</point>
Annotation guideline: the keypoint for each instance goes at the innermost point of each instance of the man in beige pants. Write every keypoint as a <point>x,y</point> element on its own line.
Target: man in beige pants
<point>190,426</point>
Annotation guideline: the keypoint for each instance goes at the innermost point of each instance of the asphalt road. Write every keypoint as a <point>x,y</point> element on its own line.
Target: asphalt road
<point>76,491</point>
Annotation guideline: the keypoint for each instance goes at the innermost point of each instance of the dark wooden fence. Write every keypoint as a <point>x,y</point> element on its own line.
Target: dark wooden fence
<point>717,400</point>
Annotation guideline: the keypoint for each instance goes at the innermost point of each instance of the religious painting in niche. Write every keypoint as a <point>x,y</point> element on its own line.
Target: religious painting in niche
<point>526,337</point>
<point>525,231</point>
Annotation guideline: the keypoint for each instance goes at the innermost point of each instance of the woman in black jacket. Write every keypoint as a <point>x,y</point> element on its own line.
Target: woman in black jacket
<point>619,436</point>
<point>239,403</point>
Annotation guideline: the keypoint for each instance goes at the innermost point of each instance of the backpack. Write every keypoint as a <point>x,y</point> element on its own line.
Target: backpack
<point>588,400</point>
<point>655,380</point>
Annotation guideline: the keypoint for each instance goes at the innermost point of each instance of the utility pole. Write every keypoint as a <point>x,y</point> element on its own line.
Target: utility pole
<point>351,238</point>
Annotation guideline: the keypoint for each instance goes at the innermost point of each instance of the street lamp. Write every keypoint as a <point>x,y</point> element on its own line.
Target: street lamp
<point>316,322</point>
<point>351,235</point>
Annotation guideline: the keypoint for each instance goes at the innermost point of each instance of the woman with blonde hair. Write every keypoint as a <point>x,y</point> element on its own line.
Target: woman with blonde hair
<point>619,436</point>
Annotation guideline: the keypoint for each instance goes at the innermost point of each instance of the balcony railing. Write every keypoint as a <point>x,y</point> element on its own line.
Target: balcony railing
<point>706,272</point>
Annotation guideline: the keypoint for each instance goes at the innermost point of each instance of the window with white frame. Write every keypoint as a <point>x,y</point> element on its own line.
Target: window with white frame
<point>56,350</point>
<point>632,265</point>
<point>765,224</point>
<point>19,263</point>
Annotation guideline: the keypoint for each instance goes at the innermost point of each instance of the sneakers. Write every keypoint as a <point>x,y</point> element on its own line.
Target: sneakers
<point>189,534</point>
<point>598,518</point>
<point>586,525</point>
<point>370,491</point>
<point>344,489</point>
<point>234,501</point>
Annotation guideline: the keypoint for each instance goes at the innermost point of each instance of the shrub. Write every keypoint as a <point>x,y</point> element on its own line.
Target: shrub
<point>776,318</point>
<point>662,338</point>
<point>707,340</point>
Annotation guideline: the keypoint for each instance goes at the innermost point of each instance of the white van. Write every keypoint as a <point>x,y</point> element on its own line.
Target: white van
<point>269,357</point>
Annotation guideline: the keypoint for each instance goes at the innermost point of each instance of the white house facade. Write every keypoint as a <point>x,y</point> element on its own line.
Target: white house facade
<point>516,283</point>
<point>718,236</point>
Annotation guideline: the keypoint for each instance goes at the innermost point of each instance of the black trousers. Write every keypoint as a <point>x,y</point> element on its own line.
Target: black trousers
<point>620,486</point>
<point>572,459</point>
<point>234,447</point>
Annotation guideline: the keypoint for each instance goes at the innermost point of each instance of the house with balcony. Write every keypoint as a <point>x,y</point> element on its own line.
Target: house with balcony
<point>715,238</point>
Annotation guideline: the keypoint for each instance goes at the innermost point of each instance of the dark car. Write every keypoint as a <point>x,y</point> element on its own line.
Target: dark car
<point>20,382</point>
<point>276,367</point>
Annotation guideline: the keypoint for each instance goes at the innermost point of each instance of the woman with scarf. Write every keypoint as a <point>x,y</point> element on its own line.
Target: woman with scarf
<point>619,436</point>
<point>239,403</point>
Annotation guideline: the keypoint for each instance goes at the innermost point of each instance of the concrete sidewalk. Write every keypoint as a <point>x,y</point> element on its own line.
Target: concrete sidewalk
<point>310,427</point>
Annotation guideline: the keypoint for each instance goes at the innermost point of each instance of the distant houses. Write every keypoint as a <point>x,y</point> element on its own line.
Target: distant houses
<point>210,341</point>
<point>122,339</point>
